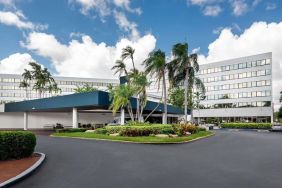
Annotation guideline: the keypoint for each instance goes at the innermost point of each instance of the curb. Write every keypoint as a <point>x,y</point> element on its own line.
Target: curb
<point>26,172</point>
<point>132,142</point>
<point>247,130</point>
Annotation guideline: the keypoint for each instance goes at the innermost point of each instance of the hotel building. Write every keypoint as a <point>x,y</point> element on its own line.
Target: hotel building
<point>237,90</point>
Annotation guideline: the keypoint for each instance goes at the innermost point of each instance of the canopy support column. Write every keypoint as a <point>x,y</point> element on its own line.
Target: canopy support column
<point>25,121</point>
<point>122,116</point>
<point>74,118</point>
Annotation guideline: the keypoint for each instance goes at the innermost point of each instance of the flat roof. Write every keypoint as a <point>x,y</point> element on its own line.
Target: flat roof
<point>96,100</point>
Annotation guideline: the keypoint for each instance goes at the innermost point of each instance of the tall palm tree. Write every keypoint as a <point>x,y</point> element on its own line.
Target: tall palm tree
<point>155,65</point>
<point>128,52</point>
<point>25,83</point>
<point>183,68</point>
<point>120,68</point>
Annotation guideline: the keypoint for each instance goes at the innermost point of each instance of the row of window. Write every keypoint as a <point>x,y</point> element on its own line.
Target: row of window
<point>237,76</point>
<point>239,85</point>
<point>239,95</point>
<point>236,66</point>
<point>237,105</point>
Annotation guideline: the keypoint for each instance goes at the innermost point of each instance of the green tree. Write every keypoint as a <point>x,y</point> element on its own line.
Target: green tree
<point>84,89</point>
<point>280,112</point>
<point>176,96</point>
<point>127,53</point>
<point>120,97</point>
<point>25,83</point>
<point>155,65</point>
<point>198,97</point>
<point>182,70</point>
<point>43,80</point>
<point>120,68</point>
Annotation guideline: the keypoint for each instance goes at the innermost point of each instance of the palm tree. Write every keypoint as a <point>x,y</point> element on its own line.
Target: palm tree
<point>199,96</point>
<point>183,68</point>
<point>25,83</point>
<point>120,68</point>
<point>128,52</point>
<point>155,65</point>
<point>120,97</point>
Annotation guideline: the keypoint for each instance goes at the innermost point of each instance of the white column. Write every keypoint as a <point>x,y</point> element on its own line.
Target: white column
<point>163,118</point>
<point>74,118</point>
<point>122,116</point>
<point>25,121</point>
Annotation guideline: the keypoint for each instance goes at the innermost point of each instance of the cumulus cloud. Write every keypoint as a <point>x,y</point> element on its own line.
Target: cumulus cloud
<point>85,57</point>
<point>261,37</point>
<point>125,4</point>
<point>15,63</point>
<point>19,20</point>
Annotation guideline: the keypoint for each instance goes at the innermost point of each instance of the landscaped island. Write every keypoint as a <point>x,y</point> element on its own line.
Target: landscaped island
<point>140,133</point>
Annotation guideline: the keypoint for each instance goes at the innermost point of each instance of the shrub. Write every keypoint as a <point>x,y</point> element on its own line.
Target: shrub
<point>139,131</point>
<point>246,125</point>
<point>181,129</point>
<point>58,126</point>
<point>71,130</point>
<point>16,144</point>
<point>155,129</point>
<point>101,131</point>
<point>135,123</point>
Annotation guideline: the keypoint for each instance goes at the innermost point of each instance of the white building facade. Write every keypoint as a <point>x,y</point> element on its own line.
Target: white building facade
<point>11,92</point>
<point>237,90</point>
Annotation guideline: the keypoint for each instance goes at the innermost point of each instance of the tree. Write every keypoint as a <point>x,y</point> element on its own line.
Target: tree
<point>155,65</point>
<point>25,83</point>
<point>198,96</point>
<point>176,96</point>
<point>280,97</point>
<point>84,89</point>
<point>128,52</point>
<point>120,97</point>
<point>182,69</point>
<point>280,112</point>
<point>120,68</point>
<point>43,80</point>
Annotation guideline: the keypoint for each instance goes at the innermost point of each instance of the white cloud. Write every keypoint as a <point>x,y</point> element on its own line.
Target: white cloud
<point>271,6</point>
<point>240,7</point>
<point>202,2</point>
<point>19,20</point>
<point>7,2</point>
<point>212,10</point>
<point>85,57</point>
<point>261,37</point>
<point>126,25</point>
<point>125,4</point>
<point>15,63</point>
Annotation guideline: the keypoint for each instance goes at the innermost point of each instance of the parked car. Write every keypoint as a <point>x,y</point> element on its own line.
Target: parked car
<point>276,127</point>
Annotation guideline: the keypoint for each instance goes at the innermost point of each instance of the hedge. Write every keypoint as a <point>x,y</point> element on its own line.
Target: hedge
<point>16,144</point>
<point>246,125</point>
<point>155,128</point>
<point>71,130</point>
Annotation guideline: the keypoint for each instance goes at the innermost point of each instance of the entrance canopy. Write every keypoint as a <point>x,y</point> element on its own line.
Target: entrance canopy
<point>96,100</point>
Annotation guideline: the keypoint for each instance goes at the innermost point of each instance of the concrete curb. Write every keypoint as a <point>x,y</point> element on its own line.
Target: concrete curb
<point>24,173</point>
<point>249,130</point>
<point>132,142</point>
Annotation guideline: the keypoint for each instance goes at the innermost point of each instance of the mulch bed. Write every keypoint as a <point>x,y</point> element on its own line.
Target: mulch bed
<point>12,168</point>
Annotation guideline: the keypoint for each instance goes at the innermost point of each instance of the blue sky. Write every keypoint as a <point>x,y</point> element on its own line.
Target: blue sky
<point>84,38</point>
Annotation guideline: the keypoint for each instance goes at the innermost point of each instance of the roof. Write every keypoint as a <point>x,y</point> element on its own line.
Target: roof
<point>82,101</point>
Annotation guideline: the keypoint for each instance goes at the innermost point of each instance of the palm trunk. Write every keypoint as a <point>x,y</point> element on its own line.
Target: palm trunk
<point>165,99</point>
<point>137,108</point>
<point>185,97</point>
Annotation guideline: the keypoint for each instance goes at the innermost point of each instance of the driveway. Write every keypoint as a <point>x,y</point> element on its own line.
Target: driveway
<point>228,159</point>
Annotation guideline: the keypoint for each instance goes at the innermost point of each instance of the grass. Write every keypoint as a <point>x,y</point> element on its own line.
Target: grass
<point>143,139</point>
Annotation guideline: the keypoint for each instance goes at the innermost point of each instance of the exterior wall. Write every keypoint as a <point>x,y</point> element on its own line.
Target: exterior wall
<point>10,90</point>
<point>37,120</point>
<point>250,104</point>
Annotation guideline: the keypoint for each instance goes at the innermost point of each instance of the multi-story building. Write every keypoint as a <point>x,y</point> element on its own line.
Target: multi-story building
<point>10,90</point>
<point>237,90</point>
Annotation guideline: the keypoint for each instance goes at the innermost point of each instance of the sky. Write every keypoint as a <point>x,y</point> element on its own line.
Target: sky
<point>84,38</point>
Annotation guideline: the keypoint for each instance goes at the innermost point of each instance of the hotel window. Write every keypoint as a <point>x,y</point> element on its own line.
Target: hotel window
<point>254,94</point>
<point>244,84</point>
<point>254,74</point>
<point>259,94</point>
<point>258,63</point>
<point>267,71</point>
<point>268,62</point>
<point>244,65</point>
<point>236,86</point>
<point>244,75</point>
<point>236,76</point>
<point>227,68</point>
<point>262,72</point>
<point>249,64</point>
<point>240,65</point>
<point>240,75</point>
<point>235,66</point>
<point>263,82</point>
<point>258,84</point>
<point>254,63</point>
<point>263,62</point>
<point>249,84</point>
<point>268,82</point>
<point>249,74</point>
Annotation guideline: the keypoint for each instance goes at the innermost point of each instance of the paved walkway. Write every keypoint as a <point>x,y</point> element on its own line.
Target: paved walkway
<point>228,159</point>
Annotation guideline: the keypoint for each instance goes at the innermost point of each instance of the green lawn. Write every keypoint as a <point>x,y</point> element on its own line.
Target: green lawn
<point>143,139</point>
